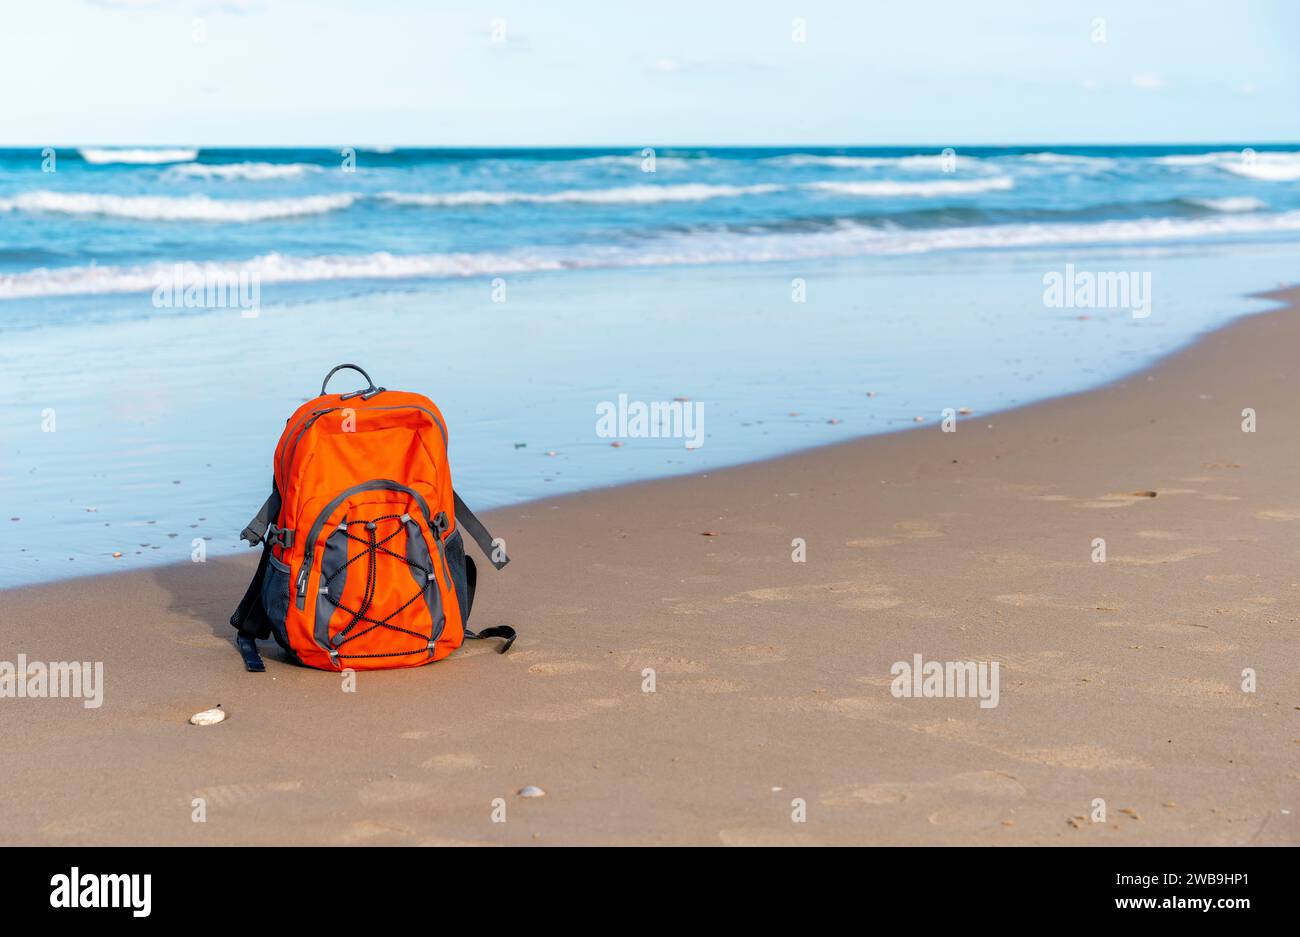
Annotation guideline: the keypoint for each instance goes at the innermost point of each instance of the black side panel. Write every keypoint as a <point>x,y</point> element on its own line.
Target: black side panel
<point>418,558</point>
<point>333,568</point>
<point>275,600</point>
<point>454,546</point>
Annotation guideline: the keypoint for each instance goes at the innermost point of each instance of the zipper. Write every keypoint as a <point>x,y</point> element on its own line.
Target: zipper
<point>306,423</point>
<point>286,457</point>
<point>440,527</point>
<point>309,547</point>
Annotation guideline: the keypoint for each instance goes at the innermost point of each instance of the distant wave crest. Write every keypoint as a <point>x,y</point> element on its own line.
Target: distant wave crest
<point>629,195</point>
<point>252,172</point>
<point>693,248</point>
<point>889,188</point>
<point>103,156</point>
<point>173,208</point>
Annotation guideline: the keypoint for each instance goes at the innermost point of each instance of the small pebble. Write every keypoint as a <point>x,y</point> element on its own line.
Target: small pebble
<point>209,717</point>
<point>531,790</point>
<point>616,444</point>
<point>965,411</point>
<point>551,452</point>
<point>117,555</point>
<point>708,533</point>
<point>918,419</point>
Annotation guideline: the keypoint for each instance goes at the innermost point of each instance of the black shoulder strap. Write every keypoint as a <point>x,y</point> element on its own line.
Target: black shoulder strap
<point>496,631</point>
<point>466,518</point>
<point>262,520</point>
<point>250,618</point>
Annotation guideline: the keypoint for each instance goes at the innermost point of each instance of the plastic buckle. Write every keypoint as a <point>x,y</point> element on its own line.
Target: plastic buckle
<point>279,536</point>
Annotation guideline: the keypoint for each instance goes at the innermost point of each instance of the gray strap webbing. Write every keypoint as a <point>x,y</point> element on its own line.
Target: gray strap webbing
<point>465,518</point>
<point>257,527</point>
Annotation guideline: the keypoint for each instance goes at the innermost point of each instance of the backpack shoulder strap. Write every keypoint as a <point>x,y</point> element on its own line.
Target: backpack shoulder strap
<point>249,618</point>
<point>264,519</point>
<point>467,519</point>
<point>496,631</point>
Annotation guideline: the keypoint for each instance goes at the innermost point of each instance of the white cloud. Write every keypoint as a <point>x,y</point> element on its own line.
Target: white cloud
<point>1148,81</point>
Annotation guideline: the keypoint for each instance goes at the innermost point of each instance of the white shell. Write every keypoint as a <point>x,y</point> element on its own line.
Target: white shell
<point>531,790</point>
<point>209,717</point>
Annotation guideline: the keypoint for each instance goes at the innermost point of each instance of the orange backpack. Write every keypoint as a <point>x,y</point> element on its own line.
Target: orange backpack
<point>363,565</point>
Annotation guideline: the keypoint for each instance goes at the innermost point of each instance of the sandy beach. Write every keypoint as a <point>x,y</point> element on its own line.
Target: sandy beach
<point>1120,680</point>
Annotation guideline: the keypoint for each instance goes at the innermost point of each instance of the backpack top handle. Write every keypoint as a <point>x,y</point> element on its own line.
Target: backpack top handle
<point>365,394</point>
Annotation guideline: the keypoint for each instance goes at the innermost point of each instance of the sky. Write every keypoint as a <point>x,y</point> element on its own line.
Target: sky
<point>662,73</point>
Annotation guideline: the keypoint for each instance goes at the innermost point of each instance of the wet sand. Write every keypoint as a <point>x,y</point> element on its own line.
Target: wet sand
<point>1119,680</point>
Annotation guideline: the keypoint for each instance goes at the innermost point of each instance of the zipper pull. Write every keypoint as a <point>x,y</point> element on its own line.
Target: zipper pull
<point>302,580</point>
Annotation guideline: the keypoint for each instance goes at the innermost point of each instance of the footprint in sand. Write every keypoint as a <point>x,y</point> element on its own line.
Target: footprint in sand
<point>1279,515</point>
<point>226,795</point>
<point>1082,757</point>
<point>393,791</point>
<point>662,662</point>
<point>364,831</point>
<point>859,596</point>
<point>453,761</point>
<point>756,653</point>
<point>853,707</point>
<point>1038,600</point>
<point>557,667</point>
<point>1203,694</point>
<point>977,784</point>
<point>907,530</point>
<point>701,685</point>
<point>1185,554</point>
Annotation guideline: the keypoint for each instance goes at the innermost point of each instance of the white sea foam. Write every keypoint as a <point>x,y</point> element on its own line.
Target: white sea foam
<point>253,172</point>
<point>1238,203</point>
<point>848,240</point>
<point>925,162</point>
<point>101,156</point>
<point>930,189</point>
<point>1265,167</point>
<point>173,208</point>
<point>630,195</point>
<point>1069,160</point>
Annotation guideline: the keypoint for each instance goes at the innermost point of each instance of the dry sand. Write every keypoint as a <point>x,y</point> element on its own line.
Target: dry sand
<point>1119,680</point>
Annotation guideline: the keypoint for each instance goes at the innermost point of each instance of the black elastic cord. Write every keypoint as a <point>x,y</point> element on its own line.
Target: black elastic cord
<point>373,547</point>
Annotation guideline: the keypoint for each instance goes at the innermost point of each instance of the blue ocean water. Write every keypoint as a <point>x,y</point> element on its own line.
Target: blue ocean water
<point>801,296</point>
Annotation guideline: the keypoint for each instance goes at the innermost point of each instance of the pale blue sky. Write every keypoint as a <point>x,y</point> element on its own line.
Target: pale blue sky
<point>401,72</point>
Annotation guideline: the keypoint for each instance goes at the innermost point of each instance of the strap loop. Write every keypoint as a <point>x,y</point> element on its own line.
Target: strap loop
<point>257,527</point>
<point>467,519</point>
<point>496,631</point>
